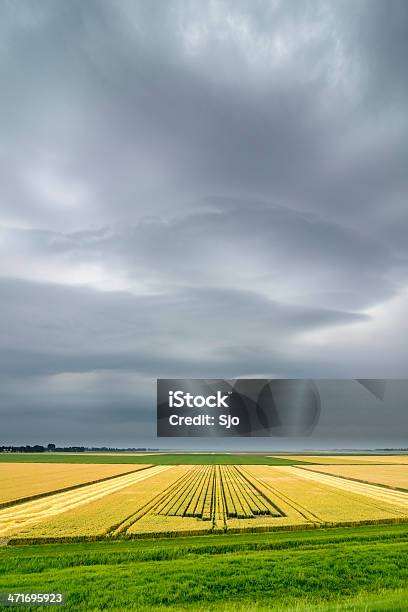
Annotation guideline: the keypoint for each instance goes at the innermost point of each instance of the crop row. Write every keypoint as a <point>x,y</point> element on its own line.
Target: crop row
<point>243,497</point>
<point>389,476</point>
<point>215,493</point>
<point>323,501</point>
<point>21,482</point>
<point>183,500</point>
<point>190,496</point>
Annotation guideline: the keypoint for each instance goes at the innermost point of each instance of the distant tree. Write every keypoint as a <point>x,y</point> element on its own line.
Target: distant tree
<point>51,447</point>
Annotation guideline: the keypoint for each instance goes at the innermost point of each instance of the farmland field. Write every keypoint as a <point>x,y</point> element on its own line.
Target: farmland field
<point>22,481</point>
<point>192,499</point>
<point>32,512</point>
<point>350,459</point>
<point>247,531</point>
<point>393,476</point>
<point>101,515</point>
<point>337,501</point>
<point>360,569</point>
<point>156,459</point>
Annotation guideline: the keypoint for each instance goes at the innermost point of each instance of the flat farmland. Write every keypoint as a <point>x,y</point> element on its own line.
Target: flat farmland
<point>197,498</point>
<point>334,501</point>
<point>154,458</point>
<point>386,459</point>
<point>103,516</point>
<point>210,536</point>
<point>18,517</point>
<point>202,499</point>
<point>170,499</point>
<point>350,459</point>
<point>393,476</point>
<point>215,499</point>
<point>352,568</point>
<point>19,481</point>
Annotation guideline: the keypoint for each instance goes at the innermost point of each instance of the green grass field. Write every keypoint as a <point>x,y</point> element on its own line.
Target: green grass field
<point>158,459</point>
<point>364,568</point>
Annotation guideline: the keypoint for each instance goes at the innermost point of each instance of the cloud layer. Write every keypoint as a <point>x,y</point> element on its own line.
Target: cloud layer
<point>196,189</point>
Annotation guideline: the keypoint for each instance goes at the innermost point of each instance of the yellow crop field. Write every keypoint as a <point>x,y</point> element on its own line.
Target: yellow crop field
<point>17,518</point>
<point>326,502</point>
<point>215,498</point>
<point>387,498</point>
<point>394,476</point>
<point>290,515</point>
<point>387,459</point>
<point>25,480</point>
<point>351,459</point>
<point>154,524</point>
<point>198,499</point>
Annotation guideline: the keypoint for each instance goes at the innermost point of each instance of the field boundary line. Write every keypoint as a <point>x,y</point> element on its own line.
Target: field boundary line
<point>24,515</point>
<point>251,483</point>
<point>376,484</point>
<point>22,500</point>
<point>307,514</point>
<point>179,493</point>
<point>164,505</point>
<point>15,541</point>
<point>367,498</point>
<point>150,506</point>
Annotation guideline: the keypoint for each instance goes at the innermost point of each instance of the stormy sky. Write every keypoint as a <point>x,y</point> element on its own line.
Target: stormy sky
<point>198,189</point>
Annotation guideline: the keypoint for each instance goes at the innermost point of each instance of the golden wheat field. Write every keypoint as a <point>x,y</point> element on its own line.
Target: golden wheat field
<point>198,499</point>
<point>14,518</point>
<point>25,480</point>
<point>330,502</point>
<point>393,476</point>
<point>103,515</point>
<point>351,459</point>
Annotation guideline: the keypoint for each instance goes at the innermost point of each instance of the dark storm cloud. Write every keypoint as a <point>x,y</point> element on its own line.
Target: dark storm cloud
<point>135,108</point>
<point>199,189</point>
<point>51,329</point>
<point>277,252</point>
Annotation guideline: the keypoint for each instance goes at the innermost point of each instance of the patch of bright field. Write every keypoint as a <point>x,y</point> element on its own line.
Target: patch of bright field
<point>394,476</point>
<point>99,515</point>
<point>197,499</point>
<point>350,459</point>
<point>24,480</point>
<point>327,503</point>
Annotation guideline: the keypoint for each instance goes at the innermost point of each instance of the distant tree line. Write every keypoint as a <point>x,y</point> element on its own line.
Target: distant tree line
<point>392,449</point>
<point>39,448</point>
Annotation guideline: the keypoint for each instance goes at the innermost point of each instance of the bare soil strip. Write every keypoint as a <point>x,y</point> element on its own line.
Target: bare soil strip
<point>35,511</point>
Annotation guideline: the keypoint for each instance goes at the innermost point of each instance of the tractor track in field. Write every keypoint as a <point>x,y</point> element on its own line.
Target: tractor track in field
<point>304,512</point>
<point>31,512</point>
<point>213,494</point>
<point>354,478</point>
<point>374,493</point>
<point>29,498</point>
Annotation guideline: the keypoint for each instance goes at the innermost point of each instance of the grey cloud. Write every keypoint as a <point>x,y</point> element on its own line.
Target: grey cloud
<point>204,189</point>
<point>274,251</point>
<point>53,329</point>
<point>146,124</point>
